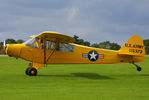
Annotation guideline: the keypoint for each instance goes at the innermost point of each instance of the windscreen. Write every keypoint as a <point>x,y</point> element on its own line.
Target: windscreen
<point>30,42</point>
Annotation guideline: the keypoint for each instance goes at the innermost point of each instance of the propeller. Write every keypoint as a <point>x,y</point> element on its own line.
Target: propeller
<point>4,44</point>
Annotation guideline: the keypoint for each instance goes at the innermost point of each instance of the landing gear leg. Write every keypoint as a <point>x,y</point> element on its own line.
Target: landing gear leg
<point>138,67</point>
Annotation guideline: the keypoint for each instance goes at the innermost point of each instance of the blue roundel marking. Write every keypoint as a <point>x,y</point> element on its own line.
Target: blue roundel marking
<point>93,55</point>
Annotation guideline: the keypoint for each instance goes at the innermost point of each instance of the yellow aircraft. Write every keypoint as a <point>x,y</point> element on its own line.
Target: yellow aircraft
<point>55,48</point>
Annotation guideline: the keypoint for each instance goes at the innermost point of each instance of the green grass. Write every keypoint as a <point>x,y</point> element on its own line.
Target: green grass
<point>74,81</point>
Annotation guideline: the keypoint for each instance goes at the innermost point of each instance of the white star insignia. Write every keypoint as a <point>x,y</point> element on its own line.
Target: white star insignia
<point>93,55</point>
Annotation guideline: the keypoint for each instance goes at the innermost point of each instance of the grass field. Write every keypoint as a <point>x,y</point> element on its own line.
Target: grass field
<point>74,81</point>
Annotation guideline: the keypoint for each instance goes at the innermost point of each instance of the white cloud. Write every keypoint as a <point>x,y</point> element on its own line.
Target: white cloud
<point>72,12</point>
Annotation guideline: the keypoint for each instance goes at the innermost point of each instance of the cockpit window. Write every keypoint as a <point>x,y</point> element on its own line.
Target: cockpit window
<point>38,43</point>
<point>35,43</point>
<point>30,42</point>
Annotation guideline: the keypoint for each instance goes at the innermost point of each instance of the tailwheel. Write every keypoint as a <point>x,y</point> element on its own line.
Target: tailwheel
<point>138,67</point>
<point>31,71</point>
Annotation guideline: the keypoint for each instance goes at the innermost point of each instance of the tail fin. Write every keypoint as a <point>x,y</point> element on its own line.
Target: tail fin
<point>134,46</point>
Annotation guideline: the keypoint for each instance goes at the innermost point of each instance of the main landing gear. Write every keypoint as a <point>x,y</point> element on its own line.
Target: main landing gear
<point>138,67</point>
<point>31,71</point>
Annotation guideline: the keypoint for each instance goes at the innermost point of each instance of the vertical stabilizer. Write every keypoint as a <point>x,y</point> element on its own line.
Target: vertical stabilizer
<point>133,46</point>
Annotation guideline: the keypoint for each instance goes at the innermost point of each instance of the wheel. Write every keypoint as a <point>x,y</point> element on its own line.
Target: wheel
<point>139,68</point>
<point>26,71</point>
<point>32,71</point>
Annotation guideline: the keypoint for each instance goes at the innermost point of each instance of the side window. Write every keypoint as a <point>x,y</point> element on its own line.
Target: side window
<point>50,45</point>
<point>65,47</point>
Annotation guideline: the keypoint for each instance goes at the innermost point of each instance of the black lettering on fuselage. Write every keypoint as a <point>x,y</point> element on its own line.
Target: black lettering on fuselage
<point>134,46</point>
<point>127,45</point>
<point>138,46</point>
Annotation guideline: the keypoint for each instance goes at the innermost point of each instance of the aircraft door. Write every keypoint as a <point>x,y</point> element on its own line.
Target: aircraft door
<point>38,51</point>
<point>50,48</point>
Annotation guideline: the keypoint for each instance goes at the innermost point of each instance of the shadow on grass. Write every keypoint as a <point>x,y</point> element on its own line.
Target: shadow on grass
<point>145,75</point>
<point>92,76</point>
<point>54,75</point>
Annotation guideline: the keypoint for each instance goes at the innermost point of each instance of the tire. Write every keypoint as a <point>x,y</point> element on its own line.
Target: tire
<point>139,69</point>
<point>26,71</point>
<point>32,71</point>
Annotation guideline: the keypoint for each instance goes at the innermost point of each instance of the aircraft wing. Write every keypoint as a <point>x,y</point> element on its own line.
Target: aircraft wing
<point>55,36</point>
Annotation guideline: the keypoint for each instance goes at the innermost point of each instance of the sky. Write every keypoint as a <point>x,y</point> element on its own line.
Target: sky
<point>93,20</point>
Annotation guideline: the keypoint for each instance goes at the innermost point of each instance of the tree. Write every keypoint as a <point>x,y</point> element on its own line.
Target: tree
<point>1,45</point>
<point>1,48</point>
<point>146,44</point>
<point>20,41</point>
<point>10,41</point>
<point>96,45</point>
<point>115,46</point>
<point>107,45</point>
<point>81,41</point>
<point>76,38</point>
<point>86,43</point>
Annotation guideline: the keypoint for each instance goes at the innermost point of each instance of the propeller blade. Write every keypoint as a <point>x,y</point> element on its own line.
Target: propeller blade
<point>4,44</point>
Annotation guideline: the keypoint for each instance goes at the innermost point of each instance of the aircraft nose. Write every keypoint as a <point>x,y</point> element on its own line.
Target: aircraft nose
<point>13,50</point>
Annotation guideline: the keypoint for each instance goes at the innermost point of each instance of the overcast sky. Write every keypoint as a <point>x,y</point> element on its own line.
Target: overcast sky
<point>92,20</point>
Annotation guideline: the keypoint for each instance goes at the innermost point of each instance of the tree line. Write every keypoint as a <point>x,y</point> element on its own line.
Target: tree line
<point>103,45</point>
